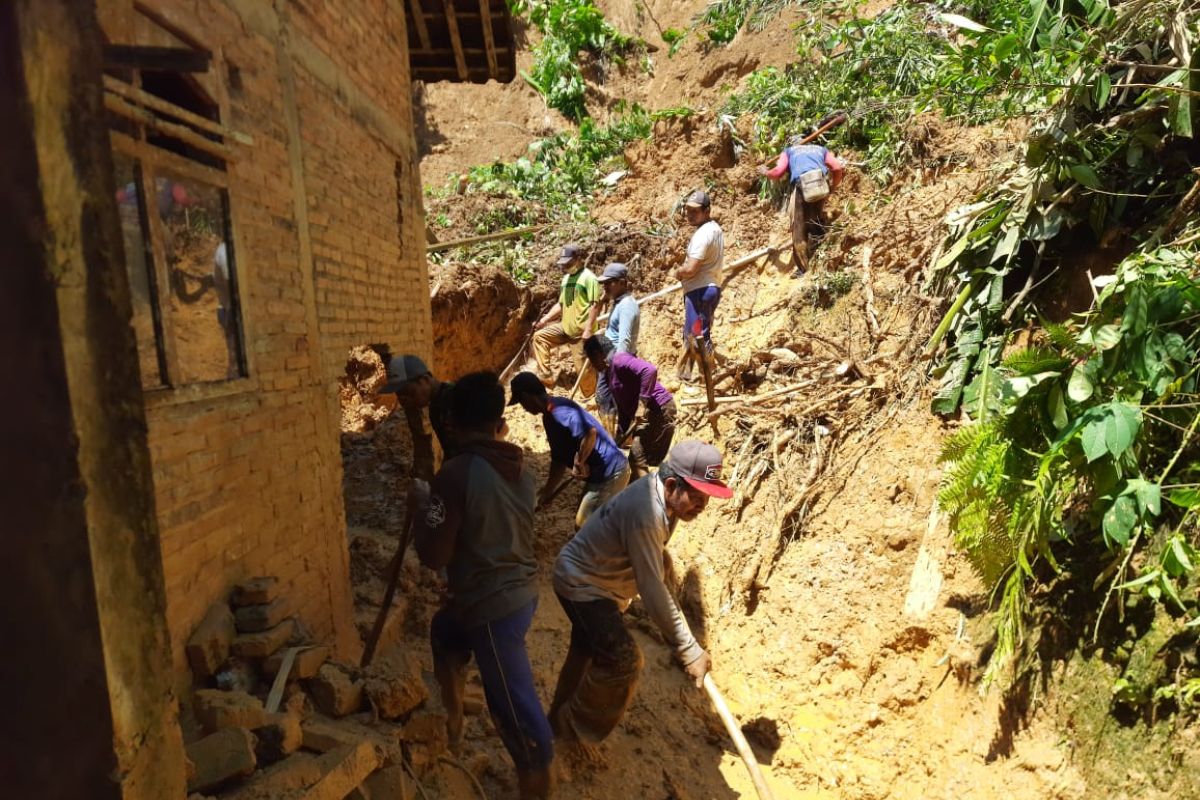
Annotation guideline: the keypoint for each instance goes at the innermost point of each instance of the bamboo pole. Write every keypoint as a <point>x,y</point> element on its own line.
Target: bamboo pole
<point>739,740</point>
<point>487,237</point>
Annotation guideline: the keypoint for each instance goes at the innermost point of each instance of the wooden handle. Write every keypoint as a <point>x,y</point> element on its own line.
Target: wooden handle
<point>735,733</point>
<point>392,579</point>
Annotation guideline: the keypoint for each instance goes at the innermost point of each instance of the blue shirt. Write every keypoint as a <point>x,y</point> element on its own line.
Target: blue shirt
<point>623,323</point>
<point>804,158</point>
<point>566,424</point>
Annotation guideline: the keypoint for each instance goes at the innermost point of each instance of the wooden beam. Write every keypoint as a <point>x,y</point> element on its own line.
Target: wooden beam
<point>418,15</point>
<point>161,59</point>
<point>455,40</point>
<point>148,100</point>
<point>489,41</point>
<point>187,135</point>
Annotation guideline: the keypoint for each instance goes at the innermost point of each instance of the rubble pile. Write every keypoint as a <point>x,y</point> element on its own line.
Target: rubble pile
<point>275,718</point>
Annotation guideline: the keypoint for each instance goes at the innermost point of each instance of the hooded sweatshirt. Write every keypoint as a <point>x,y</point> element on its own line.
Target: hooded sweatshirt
<point>478,524</point>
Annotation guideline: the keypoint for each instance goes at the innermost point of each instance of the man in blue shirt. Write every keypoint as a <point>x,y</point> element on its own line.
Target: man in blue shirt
<point>577,443</point>
<point>624,314</point>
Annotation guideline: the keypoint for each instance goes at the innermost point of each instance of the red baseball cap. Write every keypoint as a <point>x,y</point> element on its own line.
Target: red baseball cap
<point>699,464</point>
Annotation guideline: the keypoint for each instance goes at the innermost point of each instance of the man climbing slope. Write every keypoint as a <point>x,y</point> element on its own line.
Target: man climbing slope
<point>476,522</point>
<point>633,382</point>
<point>417,389</point>
<point>700,274</point>
<point>619,554</point>
<point>572,318</point>
<point>813,172</point>
<point>577,443</point>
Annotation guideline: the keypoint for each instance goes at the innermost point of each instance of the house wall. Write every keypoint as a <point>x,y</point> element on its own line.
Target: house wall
<point>327,228</point>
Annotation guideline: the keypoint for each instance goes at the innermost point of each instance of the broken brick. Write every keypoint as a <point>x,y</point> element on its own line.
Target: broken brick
<point>394,684</point>
<point>344,769</point>
<point>217,710</point>
<point>428,728</point>
<point>265,643</point>
<point>287,778</point>
<point>255,592</point>
<point>389,783</point>
<point>306,665</point>
<point>335,693</point>
<point>325,736</point>
<point>208,646</point>
<point>254,619</point>
<point>278,738</point>
<point>220,758</point>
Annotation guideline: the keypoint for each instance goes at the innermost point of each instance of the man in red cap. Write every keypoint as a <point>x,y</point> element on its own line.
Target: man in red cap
<point>619,553</point>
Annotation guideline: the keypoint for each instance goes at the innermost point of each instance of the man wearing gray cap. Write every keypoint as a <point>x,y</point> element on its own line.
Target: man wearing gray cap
<point>416,389</point>
<point>573,317</point>
<point>700,274</point>
<point>619,553</point>
<point>624,315</point>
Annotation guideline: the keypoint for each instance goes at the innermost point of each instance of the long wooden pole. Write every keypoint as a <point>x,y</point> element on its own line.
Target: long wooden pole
<point>392,579</point>
<point>487,237</point>
<point>739,740</point>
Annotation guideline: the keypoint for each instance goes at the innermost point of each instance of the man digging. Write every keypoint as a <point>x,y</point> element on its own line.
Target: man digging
<point>572,318</point>
<point>416,388</point>
<point>632,382</point>
<point>624,320</point>
<point>476,522</point>
<point>577,442</point>
<point>618,554</point>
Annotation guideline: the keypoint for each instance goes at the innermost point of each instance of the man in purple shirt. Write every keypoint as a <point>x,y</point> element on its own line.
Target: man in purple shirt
<point>577,443</point>
<point>632,381</point>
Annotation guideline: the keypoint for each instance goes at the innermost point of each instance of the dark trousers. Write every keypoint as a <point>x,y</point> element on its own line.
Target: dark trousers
<point>591,701</point>
<point>654,439</point>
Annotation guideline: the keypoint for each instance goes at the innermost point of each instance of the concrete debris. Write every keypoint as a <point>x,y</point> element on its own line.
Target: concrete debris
<point>288,778</point>
<point>221,758</point>
<point>255,619</point>
<point>308,662</point>
<point>217,710</point>
<point>255,592</point>
<point>209,645</point>
<point>278,738</point>
<point>330,735</point>
<point>265,643</point>
<point>394,684</point>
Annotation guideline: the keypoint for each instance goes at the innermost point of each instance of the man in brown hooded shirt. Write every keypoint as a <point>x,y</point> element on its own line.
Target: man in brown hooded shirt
<point>476,522</point>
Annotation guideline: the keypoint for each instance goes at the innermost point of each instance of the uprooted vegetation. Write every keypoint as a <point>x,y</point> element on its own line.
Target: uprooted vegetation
<point>1000,152</point>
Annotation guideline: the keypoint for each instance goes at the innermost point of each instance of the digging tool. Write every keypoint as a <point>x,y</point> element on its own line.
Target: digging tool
<point>705,360</point>
<point>392,579</point>
<point>739,740</point>
<point>557,491</point>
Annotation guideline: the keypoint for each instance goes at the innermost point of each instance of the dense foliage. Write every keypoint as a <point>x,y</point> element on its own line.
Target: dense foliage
<point>563,171</point>
<point>721,20</point>
<point>1084,445</point>
<point>568,27</point>
<point>1005,59</point>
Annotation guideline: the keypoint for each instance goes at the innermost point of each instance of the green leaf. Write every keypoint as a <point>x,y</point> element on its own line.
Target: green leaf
<point>1179,115</point>
<point>1058,407</point>
<point>1102,89</point>
<point>1177,558</point>
<point>1005,46</point>
<point>1149,495</point>
<point>1086,175</point>
<point>960,21</point>
<point>1120,519</point>
<point>1106,337</point>
<point>1094,446</point>
<point>1136,311</point>
<point>1120,428</point>
<point>1080,386</point>
<point>1185,498</point>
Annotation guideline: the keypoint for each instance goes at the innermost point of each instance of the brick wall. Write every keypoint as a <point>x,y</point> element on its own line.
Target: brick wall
<point>248,474</point>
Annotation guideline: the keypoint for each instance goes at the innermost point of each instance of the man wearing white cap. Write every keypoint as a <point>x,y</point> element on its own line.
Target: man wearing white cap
<point>700,274</point>
<point>416,389</point>
<point>618,554</point>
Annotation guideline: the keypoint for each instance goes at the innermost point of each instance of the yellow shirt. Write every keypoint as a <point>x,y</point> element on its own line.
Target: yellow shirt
<point>580,291</point>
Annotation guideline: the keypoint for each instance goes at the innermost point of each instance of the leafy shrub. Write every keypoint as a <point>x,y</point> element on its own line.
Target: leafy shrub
<point>723,19</point>
<point>567,27</point>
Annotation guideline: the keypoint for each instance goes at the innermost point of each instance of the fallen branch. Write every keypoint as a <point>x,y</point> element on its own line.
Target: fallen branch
<point>802,412</point>
<point>869,296</point>
<point>487,237</point>
<point>749,399</point>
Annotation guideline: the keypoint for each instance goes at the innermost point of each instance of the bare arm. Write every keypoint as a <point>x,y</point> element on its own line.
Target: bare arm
<point>585,449</point>
<point>593,314</point>
<point>687,269</point>
<point>550,316</point>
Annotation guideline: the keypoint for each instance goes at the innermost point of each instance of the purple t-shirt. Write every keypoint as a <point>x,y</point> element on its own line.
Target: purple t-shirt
<point>566,425</point>
<point>630,379</point>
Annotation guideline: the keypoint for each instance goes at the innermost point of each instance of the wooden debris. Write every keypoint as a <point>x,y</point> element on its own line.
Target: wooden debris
<point>869,297</point>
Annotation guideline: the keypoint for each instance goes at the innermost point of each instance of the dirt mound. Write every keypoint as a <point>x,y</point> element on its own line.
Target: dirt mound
<point>358,391</point>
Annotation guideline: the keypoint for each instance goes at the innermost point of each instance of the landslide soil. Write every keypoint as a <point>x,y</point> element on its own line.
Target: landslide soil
<point>853,661</point>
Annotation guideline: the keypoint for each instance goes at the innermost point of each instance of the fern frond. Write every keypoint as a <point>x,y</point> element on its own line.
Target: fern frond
<point>1032,360</point>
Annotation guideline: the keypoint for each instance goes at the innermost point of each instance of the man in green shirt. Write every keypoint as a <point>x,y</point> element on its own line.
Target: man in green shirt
<point>573,317</point>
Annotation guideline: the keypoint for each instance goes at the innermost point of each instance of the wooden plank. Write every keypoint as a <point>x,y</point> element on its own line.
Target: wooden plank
<point>418,16</point>
<point>144,98</point>
<point>456,40</point>
<point>489,40</point>
<point>487,237</point>
<point>161,59</point>
<point>118,106</point>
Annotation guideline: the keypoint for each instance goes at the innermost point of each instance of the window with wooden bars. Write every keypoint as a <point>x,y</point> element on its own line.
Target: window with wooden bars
<point>170,152</point>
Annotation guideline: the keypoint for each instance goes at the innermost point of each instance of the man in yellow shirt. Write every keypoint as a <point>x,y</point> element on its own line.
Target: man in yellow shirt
<point>573,317</point>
